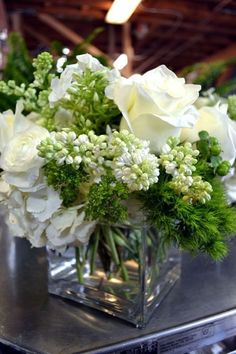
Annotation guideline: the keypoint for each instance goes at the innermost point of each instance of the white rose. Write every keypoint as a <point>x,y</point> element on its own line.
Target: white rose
<point>68,226</point>
<point>21,153</point>
<point>155,105</point>
<point>217,123</point>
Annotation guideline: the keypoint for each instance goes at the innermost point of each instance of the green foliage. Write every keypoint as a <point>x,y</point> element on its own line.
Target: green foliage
<point>18,68</point>
<point>7,102</point>
<point>66,180</point>
<point>19,63</point>
<point>195,228</point>
<point>105,201</point>
<point>227,88</point>
<point>206,74</point>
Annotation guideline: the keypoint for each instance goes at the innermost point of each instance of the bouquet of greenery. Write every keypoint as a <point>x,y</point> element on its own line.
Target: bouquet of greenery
<point>91,146</point>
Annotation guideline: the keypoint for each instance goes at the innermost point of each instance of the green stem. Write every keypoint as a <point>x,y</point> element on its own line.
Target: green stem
<point>79,266</point>
<point>94,251</point>
<point>112,245</point>
<point>115,254</point>
<point>124,272</point>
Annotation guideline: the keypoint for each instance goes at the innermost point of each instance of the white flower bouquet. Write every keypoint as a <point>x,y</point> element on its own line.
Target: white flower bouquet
<point>85,146</point>
<point>90,151</point>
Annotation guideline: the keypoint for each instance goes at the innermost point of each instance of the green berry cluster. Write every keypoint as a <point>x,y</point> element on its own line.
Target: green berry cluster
<point>210,161</point>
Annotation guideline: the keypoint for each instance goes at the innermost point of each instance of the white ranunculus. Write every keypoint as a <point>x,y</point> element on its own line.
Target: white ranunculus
<point>11,123</point>
<point>67,226</point>
<point>60,85</point>
<point>155,105</point>
<point>21,153</point>
<point>217,123</point>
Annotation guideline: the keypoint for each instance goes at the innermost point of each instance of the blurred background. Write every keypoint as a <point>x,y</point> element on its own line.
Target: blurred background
<point>194,38</point>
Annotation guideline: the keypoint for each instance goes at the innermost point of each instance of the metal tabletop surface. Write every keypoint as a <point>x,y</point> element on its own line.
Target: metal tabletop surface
<point>199,310</point>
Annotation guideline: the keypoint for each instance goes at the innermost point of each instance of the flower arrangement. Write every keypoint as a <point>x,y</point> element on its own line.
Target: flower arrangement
<point>91,146</point>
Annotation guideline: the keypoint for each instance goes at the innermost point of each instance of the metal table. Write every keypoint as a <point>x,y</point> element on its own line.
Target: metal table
<point>199,310</point>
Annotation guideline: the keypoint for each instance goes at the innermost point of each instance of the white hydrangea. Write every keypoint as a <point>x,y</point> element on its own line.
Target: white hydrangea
<point>23,224</point>
<point>43,203</point>
<point>68,226</point>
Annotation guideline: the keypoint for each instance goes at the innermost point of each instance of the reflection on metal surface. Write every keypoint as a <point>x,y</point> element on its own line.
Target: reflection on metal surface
<point>32,321</point>
<point>11,257</point>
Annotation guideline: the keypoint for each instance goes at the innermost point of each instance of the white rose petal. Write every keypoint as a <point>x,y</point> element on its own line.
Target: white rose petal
<point>230,186</point>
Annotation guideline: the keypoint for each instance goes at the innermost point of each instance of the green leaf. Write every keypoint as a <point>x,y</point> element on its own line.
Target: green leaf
<point>215,161</point>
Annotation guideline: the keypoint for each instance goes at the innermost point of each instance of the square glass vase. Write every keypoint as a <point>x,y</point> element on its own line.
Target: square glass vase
<point>124,271</point>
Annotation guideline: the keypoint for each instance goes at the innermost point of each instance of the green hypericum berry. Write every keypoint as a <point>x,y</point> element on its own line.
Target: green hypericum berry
<point>203,135</point>
<point>215,150</point>
<point>202,146</point>
<point>213,140</point>
<point>223,168</point>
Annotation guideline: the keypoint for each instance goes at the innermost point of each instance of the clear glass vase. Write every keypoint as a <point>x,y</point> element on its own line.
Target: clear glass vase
<point>124,270</point>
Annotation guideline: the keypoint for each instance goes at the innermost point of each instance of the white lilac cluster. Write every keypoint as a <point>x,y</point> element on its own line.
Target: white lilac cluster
<point>133,163</point>
<point>66,147</point>
<point>179,161</point>
<point>128,157</point>
<point>193,188</point>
